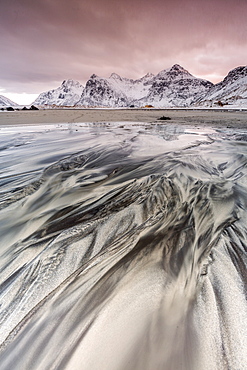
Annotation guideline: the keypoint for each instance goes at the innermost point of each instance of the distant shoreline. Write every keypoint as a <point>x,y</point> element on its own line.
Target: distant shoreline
<point>182,116</point>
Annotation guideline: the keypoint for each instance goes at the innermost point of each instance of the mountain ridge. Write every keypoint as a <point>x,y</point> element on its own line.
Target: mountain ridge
<point>170,88</point>
<point>173,86</point>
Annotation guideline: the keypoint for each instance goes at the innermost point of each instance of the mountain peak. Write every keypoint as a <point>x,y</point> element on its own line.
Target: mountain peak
<point>177,67</point>
<point>147,79</point>
<point>115,76</point>
<point>175,72</point>
<point>236,73</point>
<point>65,82</point>
<point>70,83</point>
<point>148,75</point>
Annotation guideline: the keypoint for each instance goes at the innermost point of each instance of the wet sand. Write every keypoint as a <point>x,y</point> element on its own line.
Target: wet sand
<point>212,118</point>
<point>123,245</point>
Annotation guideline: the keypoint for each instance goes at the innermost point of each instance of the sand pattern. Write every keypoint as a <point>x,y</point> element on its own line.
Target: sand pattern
<point>123,245</point>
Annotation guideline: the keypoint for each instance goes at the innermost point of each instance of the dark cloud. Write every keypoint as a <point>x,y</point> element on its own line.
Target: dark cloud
<point>46,41</point>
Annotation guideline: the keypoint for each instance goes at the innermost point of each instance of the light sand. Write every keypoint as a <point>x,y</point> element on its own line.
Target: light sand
<point>214,118</point>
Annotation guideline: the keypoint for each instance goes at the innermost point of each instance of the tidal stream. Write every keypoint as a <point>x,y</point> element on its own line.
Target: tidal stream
<point>123,247</point>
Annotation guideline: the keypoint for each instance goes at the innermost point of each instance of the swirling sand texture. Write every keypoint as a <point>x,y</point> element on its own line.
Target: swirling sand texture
<point>123,247</point>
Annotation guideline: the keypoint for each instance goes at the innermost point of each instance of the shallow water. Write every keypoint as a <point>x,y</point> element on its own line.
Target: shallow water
<point>123,246</point>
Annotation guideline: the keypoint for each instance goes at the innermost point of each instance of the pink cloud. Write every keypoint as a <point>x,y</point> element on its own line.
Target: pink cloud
<point>46,41</point>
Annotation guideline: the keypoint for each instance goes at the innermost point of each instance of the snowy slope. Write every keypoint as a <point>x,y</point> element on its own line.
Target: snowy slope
<point>5,102</point>
<point>114,91</point>
<point>175,87</point>
<point>68,94</point>
<point>232,90</point>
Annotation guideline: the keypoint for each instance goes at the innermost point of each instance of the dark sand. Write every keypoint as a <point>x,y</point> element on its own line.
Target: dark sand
<point>213,118</point>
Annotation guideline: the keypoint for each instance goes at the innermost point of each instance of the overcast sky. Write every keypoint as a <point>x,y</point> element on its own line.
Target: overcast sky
<point>43,42</point>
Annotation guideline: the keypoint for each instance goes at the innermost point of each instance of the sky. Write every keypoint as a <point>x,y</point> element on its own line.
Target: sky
<point>43,42</point>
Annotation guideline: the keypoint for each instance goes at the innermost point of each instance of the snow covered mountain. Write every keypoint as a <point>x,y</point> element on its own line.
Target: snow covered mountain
<point>5,102</point>
<point>174,87</point>
<point>68,94</point>
<point>114,91</point>
<point>231,91</point>
<point>171,87</point>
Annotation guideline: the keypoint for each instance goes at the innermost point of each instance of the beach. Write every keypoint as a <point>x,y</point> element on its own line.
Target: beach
<point>203,117</point>
<point>123,240</point>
